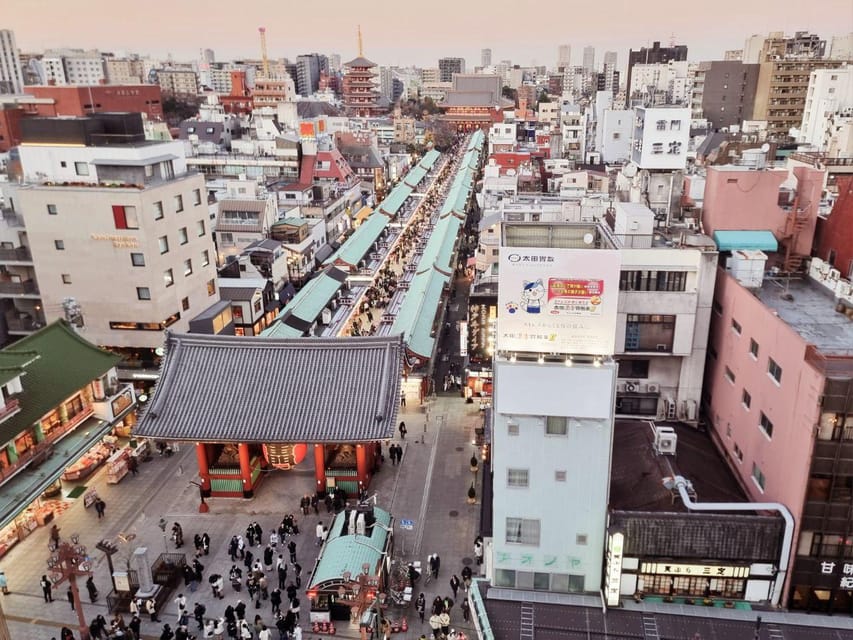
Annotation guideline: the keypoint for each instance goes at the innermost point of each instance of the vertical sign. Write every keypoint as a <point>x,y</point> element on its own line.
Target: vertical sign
<point>614,569</point>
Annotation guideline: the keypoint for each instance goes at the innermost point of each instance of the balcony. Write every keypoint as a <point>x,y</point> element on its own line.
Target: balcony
<point>11,408</point>
<point>114,403</point>
<point>27,288</point>
<point>24,322</point>
<point>16,255</point>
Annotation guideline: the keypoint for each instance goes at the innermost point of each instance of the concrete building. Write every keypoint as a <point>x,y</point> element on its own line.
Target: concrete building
<point>176,82</point>
<point>588,59</point>
<point>308,68</point>
<point>100,209</point>
<point>11,76</point>
<point>564,56</point>
<point>73,66</point>
<point>617,127</point>
<point>724,92</point>
<point>87,99</point>
<point>654,55</point>
<point>830,94</point>
<point>123,70</point>
<point>448,66</point>
<point>486,58</point>
<point>841,47</point>
<point>611,58</point>
<point>661,136</point>
<point>661,83</point>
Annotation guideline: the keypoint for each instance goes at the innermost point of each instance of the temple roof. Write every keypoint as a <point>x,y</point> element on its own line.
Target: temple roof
<point>216,388</point>
<point>360,61</point>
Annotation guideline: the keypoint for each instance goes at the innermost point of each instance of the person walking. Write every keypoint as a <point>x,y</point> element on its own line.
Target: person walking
<point>444,620</point>
<point>403,430</point>
<point>466,578</point>
<point>466,610</point>
<point>454,584</point>
<point>420,606</point>
<point>70,595</point>
<point>46,589</point>
<point>282,574</point>
<point>291,546</point>
<point>100,507</point>
<point>478,550</point>
<point>205,543</point>
<point>92,589</point>
<point>318,531</point>
<point>297,571</point>
<point>275,601</point>
<point>151,609</point>
<point>198,613</point>
<point>435,625</point>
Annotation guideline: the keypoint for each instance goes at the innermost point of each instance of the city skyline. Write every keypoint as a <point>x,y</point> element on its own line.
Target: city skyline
<point>182,30</point>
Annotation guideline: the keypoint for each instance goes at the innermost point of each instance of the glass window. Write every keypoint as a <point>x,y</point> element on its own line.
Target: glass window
<point>81,168</point>
<point>753,348</point>
<point>211,287</point>
<point>158,210</point>
<point>205,258</point>
<point>774,370</point>
<point>149,170</point>
<point>522,531</point>
<point>505,578</point>
<point>143,293</point>
<point>163,242</point>
<point>649,333</point>
<point>179,203</point>
<point>633,368</point>
<point>556,426</point>
<point>125,217</point>
<point>642,280</point>
<point>168,277</point>
<point>746,399</point>
<point>66,278</point>
<point>137,259</point>
<point>758,476</point>
<point>196,196</point>
<point>51,210</point>
<point>560,582</point>
<point>560,475</point>
<point>199,227</point>
<point>766,425</point>
<point>541,581</point>
<point>576,583</point>
<point>188,267</point>
<point>730,376</point>
<point>182,235</point>
<point>517,478</point>
<point>59,244</point>
<point>736,327</point>
<point>185,304</point>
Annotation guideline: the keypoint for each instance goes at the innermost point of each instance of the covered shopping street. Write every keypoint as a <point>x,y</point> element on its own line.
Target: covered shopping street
<point>257,404</point>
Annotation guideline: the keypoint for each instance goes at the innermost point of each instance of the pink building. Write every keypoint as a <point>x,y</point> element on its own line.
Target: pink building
<point>779,382</point>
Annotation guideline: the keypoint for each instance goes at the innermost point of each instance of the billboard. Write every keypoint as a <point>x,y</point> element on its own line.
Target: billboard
<point>558,300</point>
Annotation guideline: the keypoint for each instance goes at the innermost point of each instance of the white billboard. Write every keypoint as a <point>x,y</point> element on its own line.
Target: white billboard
<point>558,300</point>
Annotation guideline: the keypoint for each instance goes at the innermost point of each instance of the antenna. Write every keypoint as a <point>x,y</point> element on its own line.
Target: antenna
<point>263,32</point>
<point>360,47</point>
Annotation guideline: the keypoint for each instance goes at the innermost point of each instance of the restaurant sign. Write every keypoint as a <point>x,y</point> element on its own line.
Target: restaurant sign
<point>829,568</point>
<point>694,570</point>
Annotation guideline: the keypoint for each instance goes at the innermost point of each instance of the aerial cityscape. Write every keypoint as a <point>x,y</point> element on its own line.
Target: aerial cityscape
<point>441,322</point>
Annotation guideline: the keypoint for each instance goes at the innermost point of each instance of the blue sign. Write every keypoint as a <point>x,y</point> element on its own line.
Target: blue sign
<point>407,524</point>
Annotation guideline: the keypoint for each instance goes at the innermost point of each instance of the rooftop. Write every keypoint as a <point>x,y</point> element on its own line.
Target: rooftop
<point>810,312</point>
<point>636,480</point>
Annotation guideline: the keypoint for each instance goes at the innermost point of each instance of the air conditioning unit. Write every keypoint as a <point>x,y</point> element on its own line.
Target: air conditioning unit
<point>620,387</point>
<point>665,441</point>
<point>653,387</point>
<point>661,347</point>
<point>632,386</point>
<point>671,409</point>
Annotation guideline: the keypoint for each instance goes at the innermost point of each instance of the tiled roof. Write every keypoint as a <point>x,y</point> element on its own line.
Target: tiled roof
<point>360,61</point>
<point>237,293</point>
<point>256,389</point>
<point>66,363</point>
<point>306,305</point>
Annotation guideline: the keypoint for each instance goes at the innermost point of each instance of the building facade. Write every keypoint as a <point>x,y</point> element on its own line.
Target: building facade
<point>11,77</point>
<point>830,94</point>
<point>654,55</point>
<point>448,66</point>
<point>86,100</point>
<point>724,92</point>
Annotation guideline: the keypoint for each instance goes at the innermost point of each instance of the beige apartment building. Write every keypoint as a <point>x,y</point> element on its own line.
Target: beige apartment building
<point>106,230</point>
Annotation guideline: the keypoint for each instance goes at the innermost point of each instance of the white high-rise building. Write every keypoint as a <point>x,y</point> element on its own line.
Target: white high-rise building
<point>564,56</point>
<point>830,94</point>
<point>11,78</point>
<point>73,67</point>
<point>610,58</point>
<point>589,59</point>
<point>486,58</point>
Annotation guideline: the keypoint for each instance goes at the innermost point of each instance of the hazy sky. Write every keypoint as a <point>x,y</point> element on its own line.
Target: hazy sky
<point>418,32</point>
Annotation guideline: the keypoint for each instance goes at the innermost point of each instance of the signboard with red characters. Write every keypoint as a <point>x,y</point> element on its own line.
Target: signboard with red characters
<point>575,297</point>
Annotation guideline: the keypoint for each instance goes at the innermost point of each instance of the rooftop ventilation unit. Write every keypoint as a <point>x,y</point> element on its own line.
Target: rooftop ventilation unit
<point>665,441</point>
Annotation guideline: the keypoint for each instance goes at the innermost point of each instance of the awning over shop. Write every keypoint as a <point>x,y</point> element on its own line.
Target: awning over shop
<point>362,214</point>
<point>748,240</point>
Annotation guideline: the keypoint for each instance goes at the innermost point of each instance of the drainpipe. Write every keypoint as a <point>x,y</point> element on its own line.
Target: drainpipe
<point>682,484</point>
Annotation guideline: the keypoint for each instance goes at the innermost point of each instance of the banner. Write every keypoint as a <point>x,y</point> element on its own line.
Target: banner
<point>558,300</point>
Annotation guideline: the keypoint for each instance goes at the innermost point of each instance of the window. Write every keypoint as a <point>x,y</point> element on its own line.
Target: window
<point>125,217</point>
<point>581,539</point>
<point>190,129</point>
<point>717,307</point>
<point>556,426</point>
<point>512,428</point>
<point>730,376</point>
<point>182,235</point>
<point>649,333</point>
<point>633,369</point>
<point>205,258</point>
<point>81,168</point>
<point>185,304</point>
<point>736,327</point>
<point>517,478</point>
<point>753,348</point>
<point>653,280</point>
<point>168,277</point>
<point>746,399</point>
<point>766,425</point>
<point>149,170</point>
<point>758,476</point>
<point>211,287</point>
<point>143,293</point>
<point>199,227</point>
<point>522,531</point>
<point>188,267</point>
<point>163,242</point>
<point>137,259</point>
<point>51,210</point>
<point>616,135</point>
<point>196,196</point>
<point>560,475</point>
<point>179,203</point>
<point>59,244</point>
<point>66,278</point>
<point>738,453</point>
<point>774,370</point>
<point>158,210</point>
<point>505,578</point>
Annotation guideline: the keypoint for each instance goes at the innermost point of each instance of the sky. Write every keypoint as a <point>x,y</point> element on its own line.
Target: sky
<point>413,32</point>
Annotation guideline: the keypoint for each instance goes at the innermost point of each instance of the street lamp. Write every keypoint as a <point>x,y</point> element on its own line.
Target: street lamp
<point>67,562</point>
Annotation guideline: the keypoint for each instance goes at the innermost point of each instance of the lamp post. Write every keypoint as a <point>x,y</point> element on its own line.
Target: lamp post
<point>109,548</point>
<point>67,562</point>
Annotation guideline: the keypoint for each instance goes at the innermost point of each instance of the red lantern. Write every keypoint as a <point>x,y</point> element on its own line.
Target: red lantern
<point>404,625</point>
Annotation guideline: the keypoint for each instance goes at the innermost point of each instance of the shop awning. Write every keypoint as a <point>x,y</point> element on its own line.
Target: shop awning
<point>749,240</point>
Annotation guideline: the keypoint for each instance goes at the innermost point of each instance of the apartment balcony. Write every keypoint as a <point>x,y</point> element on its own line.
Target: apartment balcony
<point>12,289</point>
<point>23,323</point>
<point>18,255</point>
<point>11,218</point>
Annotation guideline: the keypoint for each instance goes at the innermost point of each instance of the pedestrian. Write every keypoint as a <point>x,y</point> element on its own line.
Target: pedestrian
<point>318,531</point>
<point>134,606</point>
<point>402,398</point>
<point>454,584</point>
<point>232,548</point>
<point>133,465</point>
<point>282,574</point>
<point>245,631</point>
<point>291,546</point>
<point>205,543</point>
<point>297,570</point>
<point>198,613</point>
<point>403,430</point>
<point>294,607</point>
<point>444,620</point>
<point>167,633</point>
<point>241,547</point>
<point>466,610</point>
<point>151,609</point>
<point>198,545</point>
<point>100,507</point>
<point>274,538</point>
<point>259,533</point>
<point>178,535</point>
<point>250,535</point>
<point>92,589</point>
<point>247,559</point>
<point>420,605</point>
<point>46,589</point>
<point>466,577</point>
<point>315,504</point>
<point>70,595</point>
<point>268,558</point>
<point>240,610</point>
<point>435,625</point>
<point>478,550</point>
<point>181,601</point>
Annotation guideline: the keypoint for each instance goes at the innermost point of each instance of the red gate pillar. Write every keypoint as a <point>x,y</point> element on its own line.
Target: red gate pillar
<point>320,468</point>
<point>362,470</point>
<point>203,468</point>
<point>246,470</point>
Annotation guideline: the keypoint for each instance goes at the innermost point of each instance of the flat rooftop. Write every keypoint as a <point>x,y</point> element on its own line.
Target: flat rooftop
<point>637,473</point>
<point>809,311</point>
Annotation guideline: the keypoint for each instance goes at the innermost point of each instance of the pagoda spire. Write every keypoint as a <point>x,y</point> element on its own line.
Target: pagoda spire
<point>360,47</point>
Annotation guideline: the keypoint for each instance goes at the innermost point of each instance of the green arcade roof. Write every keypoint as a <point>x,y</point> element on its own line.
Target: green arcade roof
<point>745,240</point>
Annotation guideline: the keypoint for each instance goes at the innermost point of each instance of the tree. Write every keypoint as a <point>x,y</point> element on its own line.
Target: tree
<point>176,110</point>
<point>543,97</point>
<point>509,92</point>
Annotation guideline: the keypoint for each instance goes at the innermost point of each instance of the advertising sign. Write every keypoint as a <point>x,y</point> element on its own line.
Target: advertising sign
<point>558,300</point>
<point>614,568</point>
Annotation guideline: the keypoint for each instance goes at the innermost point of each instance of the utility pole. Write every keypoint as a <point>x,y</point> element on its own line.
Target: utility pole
<point>68,561</point>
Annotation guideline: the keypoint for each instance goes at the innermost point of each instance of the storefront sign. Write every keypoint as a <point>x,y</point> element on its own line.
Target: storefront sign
<point>122,401</point>
<point>614,568</point>
<point>120,242</point>
<point>463,339</point>
<point>481,331</point>
<point>558,300</point>
<point>828,568</point>
<point>698,570</point>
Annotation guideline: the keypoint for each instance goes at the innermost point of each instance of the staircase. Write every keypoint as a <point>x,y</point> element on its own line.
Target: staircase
<point>526,621</point>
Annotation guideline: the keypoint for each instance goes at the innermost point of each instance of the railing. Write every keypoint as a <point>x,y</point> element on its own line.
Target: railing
<point>19,288</point>
<point>24,324</point>
<point>18,254</point>
<point>11,407</point>
<point>11,218</point>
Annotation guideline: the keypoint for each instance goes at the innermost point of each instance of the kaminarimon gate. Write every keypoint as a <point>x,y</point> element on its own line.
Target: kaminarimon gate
<point>251,404</point>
